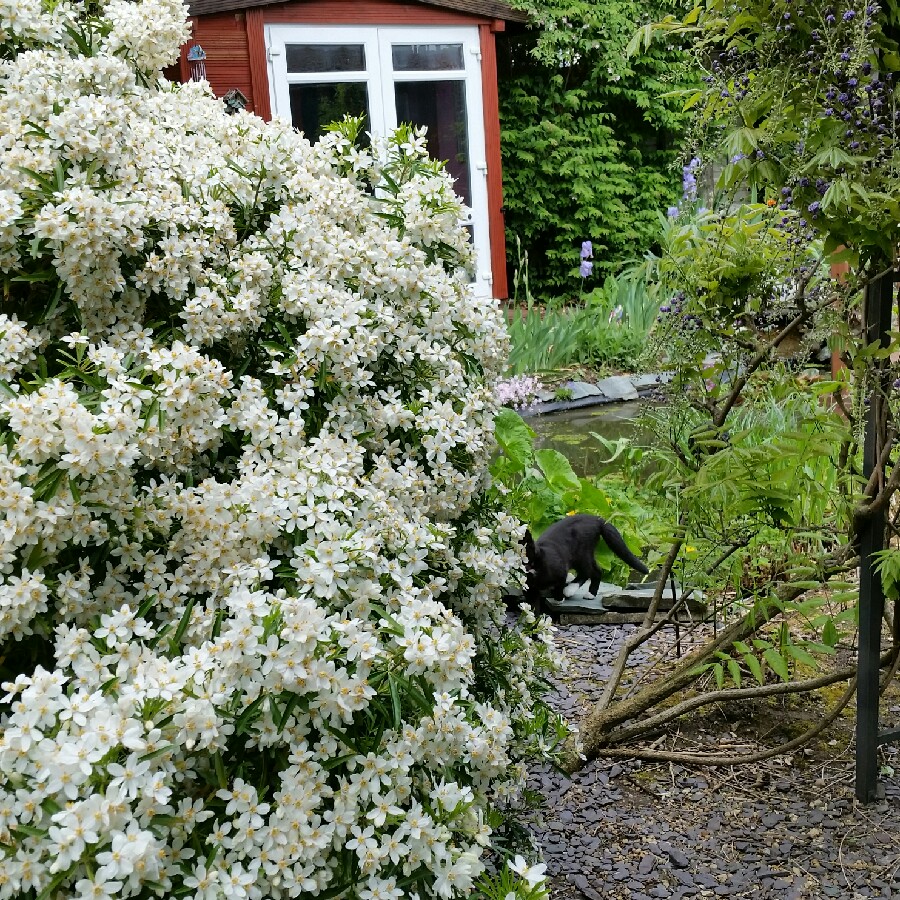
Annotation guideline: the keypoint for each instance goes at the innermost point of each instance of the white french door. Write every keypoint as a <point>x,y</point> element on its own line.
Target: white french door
<point>427,75</point>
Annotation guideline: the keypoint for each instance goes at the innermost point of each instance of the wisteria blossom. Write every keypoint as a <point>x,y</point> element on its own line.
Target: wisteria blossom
<point>251,558</point>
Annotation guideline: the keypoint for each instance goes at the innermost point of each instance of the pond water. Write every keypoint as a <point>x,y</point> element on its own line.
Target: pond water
<point>570,432</point>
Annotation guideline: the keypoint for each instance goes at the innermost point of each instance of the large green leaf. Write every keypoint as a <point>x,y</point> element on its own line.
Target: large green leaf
<point>558,471</point>
<point>514,437</point>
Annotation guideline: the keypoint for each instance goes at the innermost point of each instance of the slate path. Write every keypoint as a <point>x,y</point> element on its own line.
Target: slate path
<point>640,830</point>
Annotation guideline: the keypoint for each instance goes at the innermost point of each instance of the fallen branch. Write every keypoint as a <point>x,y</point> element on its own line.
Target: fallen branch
<point>603,718</point>
<point>712,759</point>
<point>724,696</point>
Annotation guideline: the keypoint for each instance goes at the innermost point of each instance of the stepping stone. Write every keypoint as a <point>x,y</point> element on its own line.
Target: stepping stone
<point>618,387</point>
<point>650,380</point>
<point>632,598</point>
<point>581,389</point>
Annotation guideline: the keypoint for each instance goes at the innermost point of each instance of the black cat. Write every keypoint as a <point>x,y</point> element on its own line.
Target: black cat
<point>569,544</point>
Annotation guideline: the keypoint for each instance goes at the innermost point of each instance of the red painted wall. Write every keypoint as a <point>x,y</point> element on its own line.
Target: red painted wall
<point>224,38</point>
<point>236,58</point>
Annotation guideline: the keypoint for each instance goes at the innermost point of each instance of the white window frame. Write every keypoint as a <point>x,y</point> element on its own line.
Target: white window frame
<point>379,78</point>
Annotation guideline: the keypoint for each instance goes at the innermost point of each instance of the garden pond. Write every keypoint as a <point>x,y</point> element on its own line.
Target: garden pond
<point>570,432</point>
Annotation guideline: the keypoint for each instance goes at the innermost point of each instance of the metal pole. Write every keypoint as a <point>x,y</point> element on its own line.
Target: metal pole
<point>879,297</point>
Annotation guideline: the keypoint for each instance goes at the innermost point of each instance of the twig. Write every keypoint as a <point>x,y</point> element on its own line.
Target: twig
<point>878,503</point>
<point>869,489</point>
<point>760,357</point>
<point>646,630</point>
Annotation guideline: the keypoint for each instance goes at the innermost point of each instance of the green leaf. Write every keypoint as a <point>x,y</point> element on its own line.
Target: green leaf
<point>220,770</point>
<point>719,674</point>
<point>755,668</point>
<point>248,715</point>
<point>514,437</point>
<point>830,635</point>
<point>289,708</point>
<point>777,663</point>
<point>159,751</point>
<point>558,471</point>
<point>735,671</point>
<point>395,701</point>
<point>55,883</point>
<point>693,100</point>
<point>801,656</point>
<point>693,15</point>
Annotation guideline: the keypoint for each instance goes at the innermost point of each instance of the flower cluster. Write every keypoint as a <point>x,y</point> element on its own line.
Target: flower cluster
<point>587,253</point>
<point>519,391</point>
<point>689,180</point>
<point>833,73</point>
<point>251,560</point>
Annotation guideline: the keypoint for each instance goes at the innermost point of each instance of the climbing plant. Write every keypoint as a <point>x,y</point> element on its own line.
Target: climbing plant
<point>797,117</point>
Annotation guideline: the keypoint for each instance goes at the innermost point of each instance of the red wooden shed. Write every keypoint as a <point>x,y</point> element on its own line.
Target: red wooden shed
<point>430,62</point>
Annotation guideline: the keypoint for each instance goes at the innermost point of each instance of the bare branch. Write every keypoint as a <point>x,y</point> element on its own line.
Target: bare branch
<point>767,690</point>
<point>713,759</point>
<point>645,631</point>
<point>603,717</point>
<point>865,511</point>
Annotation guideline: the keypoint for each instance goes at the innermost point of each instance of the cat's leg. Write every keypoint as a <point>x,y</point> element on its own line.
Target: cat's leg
<point>596,577</point>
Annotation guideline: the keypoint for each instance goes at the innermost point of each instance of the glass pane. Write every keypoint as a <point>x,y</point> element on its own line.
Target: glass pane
<point>313,106</point>
<point>326,57</point>
<point>441,106</point>
<point>427,57</point>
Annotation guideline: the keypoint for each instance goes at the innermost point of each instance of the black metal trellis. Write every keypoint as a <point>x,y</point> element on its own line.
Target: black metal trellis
<point>879,307</point>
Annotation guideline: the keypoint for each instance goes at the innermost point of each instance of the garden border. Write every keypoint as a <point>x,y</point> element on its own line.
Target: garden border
<point>605,391</point>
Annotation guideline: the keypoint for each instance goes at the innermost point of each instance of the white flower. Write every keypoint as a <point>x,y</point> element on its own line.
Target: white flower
<point>534,875</point>
<point>244,459</point>
<point>97,890</point>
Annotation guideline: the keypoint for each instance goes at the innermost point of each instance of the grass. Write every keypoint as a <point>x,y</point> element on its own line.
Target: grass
<point>605,329</point>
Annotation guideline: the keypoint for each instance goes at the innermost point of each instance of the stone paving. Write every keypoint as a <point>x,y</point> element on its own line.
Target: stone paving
<point>786,829</point>
<point>614,389</point>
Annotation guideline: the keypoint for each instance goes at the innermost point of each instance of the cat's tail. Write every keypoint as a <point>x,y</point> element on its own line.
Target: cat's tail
<point>616,543</point>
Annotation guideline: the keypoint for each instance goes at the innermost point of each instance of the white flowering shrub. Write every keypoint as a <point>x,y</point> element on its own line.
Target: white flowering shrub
<point>251,636</point>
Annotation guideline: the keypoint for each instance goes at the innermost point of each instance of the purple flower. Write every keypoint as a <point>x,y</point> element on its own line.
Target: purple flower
<point>672,212</point>
<point>586,268</point>
<point>587,249</point>
<point>849,15</point>
<point>519,391</point>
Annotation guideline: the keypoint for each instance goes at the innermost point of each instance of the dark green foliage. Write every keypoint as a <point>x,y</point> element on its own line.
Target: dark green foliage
<point>590,141</point>
<point>800,101</point>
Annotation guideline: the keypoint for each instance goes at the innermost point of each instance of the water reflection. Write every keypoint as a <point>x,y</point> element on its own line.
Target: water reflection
<point>570,432</point>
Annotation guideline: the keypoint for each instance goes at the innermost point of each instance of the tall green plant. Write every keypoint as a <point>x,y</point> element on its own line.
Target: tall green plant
<point>590,137</point>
